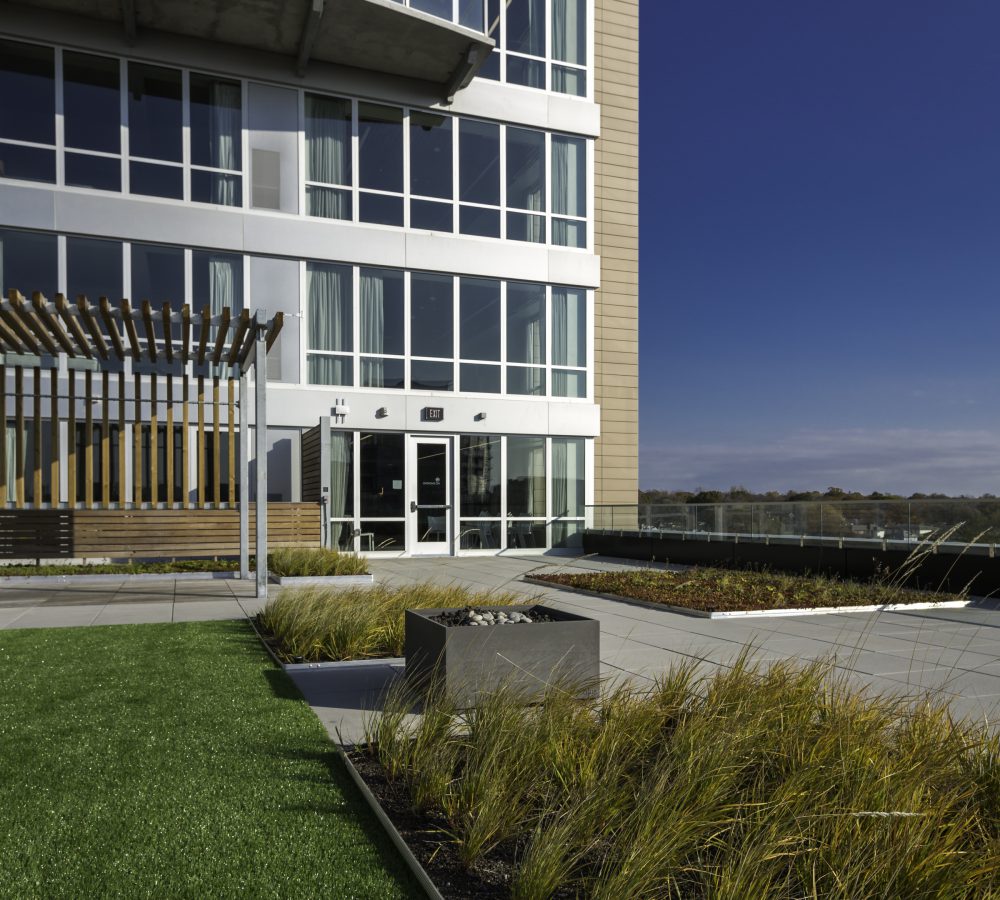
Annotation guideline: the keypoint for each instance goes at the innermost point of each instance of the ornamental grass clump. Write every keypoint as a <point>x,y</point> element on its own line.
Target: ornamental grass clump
<point>314,562</point>
<point>318,623</point>
<point>778,781</point>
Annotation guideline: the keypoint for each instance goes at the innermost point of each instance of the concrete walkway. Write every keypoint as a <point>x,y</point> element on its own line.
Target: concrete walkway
<point>951,651</point>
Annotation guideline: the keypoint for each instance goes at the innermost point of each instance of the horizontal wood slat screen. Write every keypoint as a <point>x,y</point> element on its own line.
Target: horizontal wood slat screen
<point>149,533</point>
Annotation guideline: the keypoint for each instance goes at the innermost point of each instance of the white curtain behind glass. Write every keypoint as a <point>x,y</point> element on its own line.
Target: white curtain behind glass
<point>11,450</point>
<point>559,478</point>
<point>372,327</point>
<point>340,472</point>
<point>567,327</point>
<point>536,483</point>
<point>329,324</point>
<point>567,177</point>
<point>567,19</point>
<point>226,125</point>
<point>328,154</point>
<point>221,284</point>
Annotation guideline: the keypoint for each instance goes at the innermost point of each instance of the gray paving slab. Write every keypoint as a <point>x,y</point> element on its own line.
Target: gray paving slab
<point>207,611</point>
<point>142,613</point>
<point>56,617</point>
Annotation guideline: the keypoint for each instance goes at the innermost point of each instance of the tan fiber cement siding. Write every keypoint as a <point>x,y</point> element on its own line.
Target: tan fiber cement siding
<point>616,237</point>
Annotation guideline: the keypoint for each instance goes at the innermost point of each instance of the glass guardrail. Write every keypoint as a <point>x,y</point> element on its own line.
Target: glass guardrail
<point>911,521</point>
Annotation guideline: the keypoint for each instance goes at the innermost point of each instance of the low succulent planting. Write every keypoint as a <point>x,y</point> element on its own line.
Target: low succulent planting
<point>728,590</point>
<point>779,781</point>
<point>314,562</point>
<point>316,624</point>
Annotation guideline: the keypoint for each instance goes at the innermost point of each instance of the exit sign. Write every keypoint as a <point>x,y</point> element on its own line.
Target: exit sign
<point>433,414</point>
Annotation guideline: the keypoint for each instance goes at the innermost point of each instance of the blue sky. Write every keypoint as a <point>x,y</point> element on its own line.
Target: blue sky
<point>820,245</point>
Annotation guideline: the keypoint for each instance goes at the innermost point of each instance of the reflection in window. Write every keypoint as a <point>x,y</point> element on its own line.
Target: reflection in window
<point>479,319</point>
<point>568,477</point>
<point>525,476</point>
<point>479,492</point>
<point>330,307</point>
<point>328,156</point>
<point>382,475</point>
<point>93,268</point>
<point>430,170</point>
<point>479,158</point>
<point>216,140</point>
<point>28,262</point>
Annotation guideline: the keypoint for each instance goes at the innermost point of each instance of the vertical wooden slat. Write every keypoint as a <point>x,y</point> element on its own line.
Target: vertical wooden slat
<point>88,437</point>
<point>122,468</point>
<point>105,441</point>
<point>201,440</point>
<point>154,473</point>
<point>137,444</point>
<point>216,454</point>
<point>186,440</point>
<point>230,419</point>
<point>36,428</point>
<point>19,436</point>
<point>4,487</point>
<point>53,436</point>
<point>71,441</point>
<point>170,436</point>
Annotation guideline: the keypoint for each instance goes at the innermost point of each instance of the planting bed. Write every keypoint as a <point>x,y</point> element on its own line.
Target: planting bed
<point>709,591</point>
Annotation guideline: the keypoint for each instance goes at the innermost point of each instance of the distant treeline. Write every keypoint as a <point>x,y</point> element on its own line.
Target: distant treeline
<point>740,494</point>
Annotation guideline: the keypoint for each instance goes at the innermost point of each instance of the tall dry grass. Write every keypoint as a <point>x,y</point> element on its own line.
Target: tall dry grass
<point>314,562</point>
<point>358,623</point>
<point>778,781</point>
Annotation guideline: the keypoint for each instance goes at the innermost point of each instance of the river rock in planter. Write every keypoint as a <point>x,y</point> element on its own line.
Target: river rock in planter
<point>450,648</point>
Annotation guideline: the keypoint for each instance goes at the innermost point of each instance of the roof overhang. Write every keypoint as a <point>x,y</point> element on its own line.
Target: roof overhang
<point>378,35</point>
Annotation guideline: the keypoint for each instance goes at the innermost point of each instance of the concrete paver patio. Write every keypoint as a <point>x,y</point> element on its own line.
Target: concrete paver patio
<point>953,651</point>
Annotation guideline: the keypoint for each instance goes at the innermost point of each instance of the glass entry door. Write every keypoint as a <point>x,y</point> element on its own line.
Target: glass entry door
<point>430,514</point>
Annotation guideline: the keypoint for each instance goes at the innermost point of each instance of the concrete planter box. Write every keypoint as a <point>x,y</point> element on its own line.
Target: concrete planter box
<point>528,657</point>
<point>320,580</point>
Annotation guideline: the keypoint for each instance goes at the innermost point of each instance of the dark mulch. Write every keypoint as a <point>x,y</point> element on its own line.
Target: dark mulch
<point>489,879</point>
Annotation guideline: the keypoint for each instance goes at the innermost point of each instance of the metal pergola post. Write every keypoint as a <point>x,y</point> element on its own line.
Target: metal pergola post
<point>244,477</point>
<point>260,450</point>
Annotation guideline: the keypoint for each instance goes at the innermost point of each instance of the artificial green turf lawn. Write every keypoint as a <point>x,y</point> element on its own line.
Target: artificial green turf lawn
<point>173,761</point>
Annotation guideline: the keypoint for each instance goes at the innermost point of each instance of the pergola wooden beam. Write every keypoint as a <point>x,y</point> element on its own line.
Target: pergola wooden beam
<point>133,337</point>
<point>41,308</point>
<point>18,302</point>
<point>62,307</point>
<point>168,331</point>
<point>147,319</point>
<point>185,332</point>
<point>238,336</point>
<point>206,324</point>
<point>116,338</point>
<point>220,340</point>
<point>86,312</point>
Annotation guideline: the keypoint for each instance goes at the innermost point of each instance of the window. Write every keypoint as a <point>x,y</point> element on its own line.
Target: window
<point>155,134</point>
<point>328,157</point>
<point>479,492</point>
<point>330,305</point>
<point>525,491</point>
<point>479,178</point>
<point>28,123</point>
<point>526,339</point>
<point>525,184</point>
<point>432,332</point>
<point>568,482</point>
<point>569,191</point>
<point>92,121</point>
<point>569,342</point>
<point>430,171</point>
<point>28,262</point>
<point>158,274</point>
<point>94,268</point>
<point>380,160</point>
<point>381,323</point>
<point>521,29</point>
<point>216,141</point>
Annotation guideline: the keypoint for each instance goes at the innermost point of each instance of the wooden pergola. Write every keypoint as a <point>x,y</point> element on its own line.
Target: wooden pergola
<point>118,340</point>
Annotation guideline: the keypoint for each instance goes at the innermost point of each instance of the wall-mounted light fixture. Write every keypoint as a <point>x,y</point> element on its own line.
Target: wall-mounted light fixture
<point>381,412</point>
<point>480,417</point>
